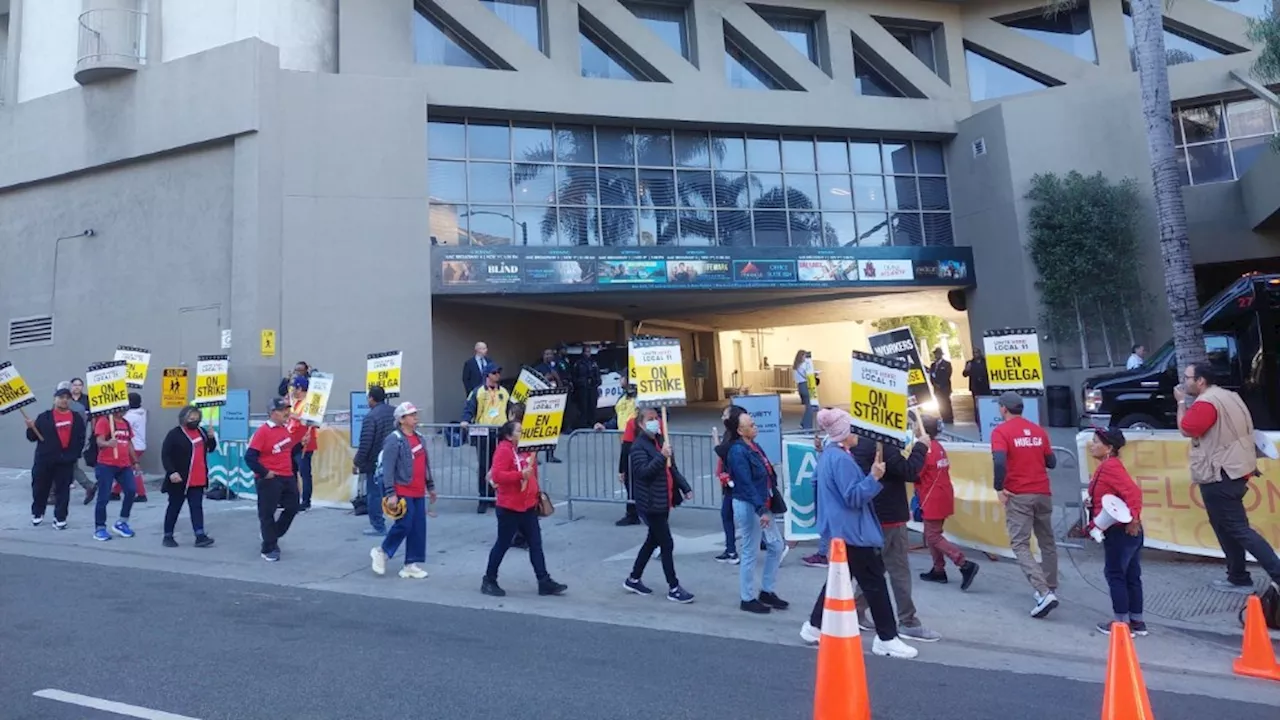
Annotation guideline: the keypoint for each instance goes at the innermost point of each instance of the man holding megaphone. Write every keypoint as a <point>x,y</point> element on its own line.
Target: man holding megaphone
<point>1115,506</point>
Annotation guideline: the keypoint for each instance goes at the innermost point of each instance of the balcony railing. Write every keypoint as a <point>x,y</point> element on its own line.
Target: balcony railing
<point>112,43</point>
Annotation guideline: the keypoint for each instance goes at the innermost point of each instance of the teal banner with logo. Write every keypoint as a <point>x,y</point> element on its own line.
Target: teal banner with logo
<point>800,463</point>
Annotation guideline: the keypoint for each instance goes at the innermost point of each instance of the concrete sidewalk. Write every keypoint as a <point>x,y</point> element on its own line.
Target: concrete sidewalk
<point>988,627</point>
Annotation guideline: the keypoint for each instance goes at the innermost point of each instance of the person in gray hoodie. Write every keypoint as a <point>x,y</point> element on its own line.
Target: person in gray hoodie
<point>406,478</point>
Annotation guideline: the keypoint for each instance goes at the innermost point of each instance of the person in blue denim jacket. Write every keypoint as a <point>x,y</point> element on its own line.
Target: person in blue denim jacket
<point>753,483</point>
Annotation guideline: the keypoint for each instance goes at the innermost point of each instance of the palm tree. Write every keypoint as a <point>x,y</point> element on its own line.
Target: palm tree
<point>1171,213</point>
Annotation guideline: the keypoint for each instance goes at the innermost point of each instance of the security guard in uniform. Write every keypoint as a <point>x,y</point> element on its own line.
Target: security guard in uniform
<point>486,408</point>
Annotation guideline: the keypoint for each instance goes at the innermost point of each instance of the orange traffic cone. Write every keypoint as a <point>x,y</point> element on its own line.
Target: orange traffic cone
<point>1256,658</point>
<point>1125,694</point>
<point>841,692</point>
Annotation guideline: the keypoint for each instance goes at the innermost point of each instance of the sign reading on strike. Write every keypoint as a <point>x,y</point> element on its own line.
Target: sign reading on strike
<point>138,359</point>
<point>383,370</point>
<point>14,392</point>
<point>878,398</point>
<point>657,372</point>
<point>528,380</point>
<point>543,419</point>
<point>317,401</point>
<point>900,343</point>
<point>107,386</point>
<point>211,380</point>
<point>1013,361</point>
<point>173,393</point>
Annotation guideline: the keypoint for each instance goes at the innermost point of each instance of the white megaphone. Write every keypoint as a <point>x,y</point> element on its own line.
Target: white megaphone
<point>1113,512</point>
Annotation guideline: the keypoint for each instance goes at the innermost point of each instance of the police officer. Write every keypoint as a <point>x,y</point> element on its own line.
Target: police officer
<point>586,387</point>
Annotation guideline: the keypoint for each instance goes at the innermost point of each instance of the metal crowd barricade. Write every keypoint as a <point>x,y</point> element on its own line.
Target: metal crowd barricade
<point>592,460</point>
<point>456,456</point>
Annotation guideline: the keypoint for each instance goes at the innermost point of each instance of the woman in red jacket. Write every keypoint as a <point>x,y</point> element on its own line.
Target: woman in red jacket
<point>1121,542</point>
<point>515,479</point>
<point>937,503</point>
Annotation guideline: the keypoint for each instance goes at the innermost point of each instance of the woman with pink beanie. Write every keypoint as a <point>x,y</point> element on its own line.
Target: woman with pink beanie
<point>845,511</point>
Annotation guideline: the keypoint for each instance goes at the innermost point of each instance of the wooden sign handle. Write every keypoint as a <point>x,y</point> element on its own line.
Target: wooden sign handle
<point>666,436</point>
<point>33,427</point>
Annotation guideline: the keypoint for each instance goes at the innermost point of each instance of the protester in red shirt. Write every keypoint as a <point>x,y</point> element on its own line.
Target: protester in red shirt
<point>406,478</point>
<point>515,477</point>
<point>116,459</point>
<point>937,503</point>
<point>59,436</point>
<point>185,457</point>
<point>270,459</point>
<point>1121,542</point>
<point>1023,457</point>
<point>307,446</point>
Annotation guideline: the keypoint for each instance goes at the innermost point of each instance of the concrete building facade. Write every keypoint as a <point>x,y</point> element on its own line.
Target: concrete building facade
<point>367,175</point>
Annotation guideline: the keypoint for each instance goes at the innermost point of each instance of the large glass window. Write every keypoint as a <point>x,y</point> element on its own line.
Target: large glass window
<point>919,41</point>
<point>668,20</point>
<point>524,16</point>
<point>989,79</point>
<point>1220,141</point>
<point>601,61</point>
<point>434,43</point>
<point>494,183</point>
<point>1179,47</point>
<point>1070,31</point>
<point>799,31</point>
<point>743,72</point>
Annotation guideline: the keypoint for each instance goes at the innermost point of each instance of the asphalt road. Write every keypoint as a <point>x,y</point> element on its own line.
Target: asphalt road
<point>215,649</point>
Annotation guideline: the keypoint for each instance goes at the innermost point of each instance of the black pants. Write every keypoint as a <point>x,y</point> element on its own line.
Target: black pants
<point>1224,503</point>
<point>485,447</point>
<point>659,537</point>
<point>194,498</point>
<point>49,477</point>
<point>585,399</point>
<point>510,524</point>
<point>281,491</point>
<point>944,406</point>
<point>866,566</point>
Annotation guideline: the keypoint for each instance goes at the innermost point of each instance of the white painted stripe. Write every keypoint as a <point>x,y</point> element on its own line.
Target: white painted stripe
<point>110,706</point>
<point>839,624</point>
<point>839,584</point>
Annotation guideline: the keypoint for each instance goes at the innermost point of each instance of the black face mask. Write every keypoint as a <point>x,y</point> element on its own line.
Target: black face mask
<point>192,424</point>
<point>631,392</point>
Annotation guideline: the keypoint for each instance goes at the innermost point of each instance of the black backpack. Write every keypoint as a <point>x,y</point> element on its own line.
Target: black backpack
<point>91,452</point>
<point>1270,606</point>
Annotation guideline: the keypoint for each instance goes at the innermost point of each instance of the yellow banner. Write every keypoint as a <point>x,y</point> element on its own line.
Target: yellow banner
<point>1013,360</point>
<point>979,519</point>
<point>1173,515</point>
<point>878,397</point>
<point>657,370</point>
<point>527,381</point>
<point>14,392</point>
<point>383,369</point>
<point>543,419</point>
<point>915,376</point>
<point>173,393</point>
<point>107,388</point>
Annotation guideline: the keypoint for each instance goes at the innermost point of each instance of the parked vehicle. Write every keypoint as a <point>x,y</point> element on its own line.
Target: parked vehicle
<point>1242,339</point>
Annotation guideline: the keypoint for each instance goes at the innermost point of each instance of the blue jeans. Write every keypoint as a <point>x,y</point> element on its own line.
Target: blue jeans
<point>373,501</point>
<point>1123,568</point>
<point>411,530</point>
<point>806,422</point>
<point>726,519</point>
<point>107,474</point>
<point>749,534</point>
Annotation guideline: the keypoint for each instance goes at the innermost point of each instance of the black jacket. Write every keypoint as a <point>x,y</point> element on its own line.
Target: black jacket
<point>175,457</point>
<point>377,425</point>
<point>976,371</point>
<point>892,505</point>
<point>472,378</point>
<point>649,477</point>
<point>50,449</point>
<point>722,453</point>
<point>940,371</point>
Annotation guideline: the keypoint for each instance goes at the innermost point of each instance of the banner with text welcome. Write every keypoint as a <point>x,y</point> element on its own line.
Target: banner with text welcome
<point>878,398</point>
<point>1013,361</point>
<point>900,343</point>
<point>657,372</point>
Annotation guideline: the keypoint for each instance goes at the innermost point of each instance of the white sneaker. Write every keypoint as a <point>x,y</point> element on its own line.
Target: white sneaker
<point>894,648</point>
<point>810,634</point>
<point>35,521</point>
<point>1045,605</point>
<point>59,524</point>
<point>413,572</point>
<point>379,557</point>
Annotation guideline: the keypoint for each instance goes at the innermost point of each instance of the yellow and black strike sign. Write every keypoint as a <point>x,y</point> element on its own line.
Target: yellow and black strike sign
<point>900,343</point>
<point>383,369</point>
<point>528,381</point>
<point>173,391</point>
<point>106,384</point>
<point>211,380</point>
<point>1013,360</point>
<point>317,400</point>
<point>878,398</point>
<point>657,371</point>
<point>138,359</point>
<point>14,392</point>
<point>543,419</point>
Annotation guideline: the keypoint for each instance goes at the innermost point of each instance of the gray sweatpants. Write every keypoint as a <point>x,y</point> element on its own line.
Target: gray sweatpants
<point>898,567</point>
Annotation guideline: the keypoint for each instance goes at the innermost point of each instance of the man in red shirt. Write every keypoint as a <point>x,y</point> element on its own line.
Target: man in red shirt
<point>1023,457</point>
<point>116,459</point>
<point>59,434</point>
<point>270,457</point>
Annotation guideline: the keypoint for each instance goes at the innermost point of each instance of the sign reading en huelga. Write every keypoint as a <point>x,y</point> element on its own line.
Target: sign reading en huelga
<point>383,369</point>
<point>901,343</point>
<point>657,371</point>
<point>211,380</point>
<point>1013,360</point>
<point>543,419</point>
<point>107,386</point>
<point>878,398</point>
<point>15,394</point>
<point>528,381</point>
<point>138,359</point>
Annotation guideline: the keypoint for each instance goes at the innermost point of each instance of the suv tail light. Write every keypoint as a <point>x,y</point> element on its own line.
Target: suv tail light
<point>1092,400</point>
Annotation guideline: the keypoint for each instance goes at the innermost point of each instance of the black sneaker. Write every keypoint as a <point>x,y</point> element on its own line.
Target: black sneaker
<point>935,576</point>
<point>203,541</point>
<point>554,460</point>
<point>551,587</point>
<point>968,571</point>
<point>1138,628</point>
<point>169,542</point>
<point>140,498</point>
<point>754,606</point>
<point>1105,627</point>
<point>628,520</point>
<point>90,493</point>
<point>304,507</point>
<point>490,587</point>
<point>637,587</point>
<point>773,601</point>
<point>728,558</point>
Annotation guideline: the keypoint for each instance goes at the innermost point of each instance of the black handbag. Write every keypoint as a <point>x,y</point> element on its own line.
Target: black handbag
<point>777,505</point>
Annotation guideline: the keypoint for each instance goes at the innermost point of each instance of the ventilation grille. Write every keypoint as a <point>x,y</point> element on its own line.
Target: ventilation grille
<point>30,331</point>
<point>979,147</point>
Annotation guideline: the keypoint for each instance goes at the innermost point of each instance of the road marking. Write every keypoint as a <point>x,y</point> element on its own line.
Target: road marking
<point>110,706</point>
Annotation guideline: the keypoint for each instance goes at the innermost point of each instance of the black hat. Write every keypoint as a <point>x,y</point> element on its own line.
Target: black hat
<point>1111,437</point>
<point>277,404</point>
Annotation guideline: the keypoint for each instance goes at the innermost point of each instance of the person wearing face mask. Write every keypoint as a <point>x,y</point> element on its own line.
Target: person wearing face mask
<point>59,434</point>
<point>624,419</point>
<point>846,512</point>
<point>185,457</point>
<point>754,480</point>
<point>659,487</point>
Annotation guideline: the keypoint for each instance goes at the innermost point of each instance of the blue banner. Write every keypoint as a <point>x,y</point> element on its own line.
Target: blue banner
<point>234,425</point>
<point>766,410</point>
<point>359,409</point>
